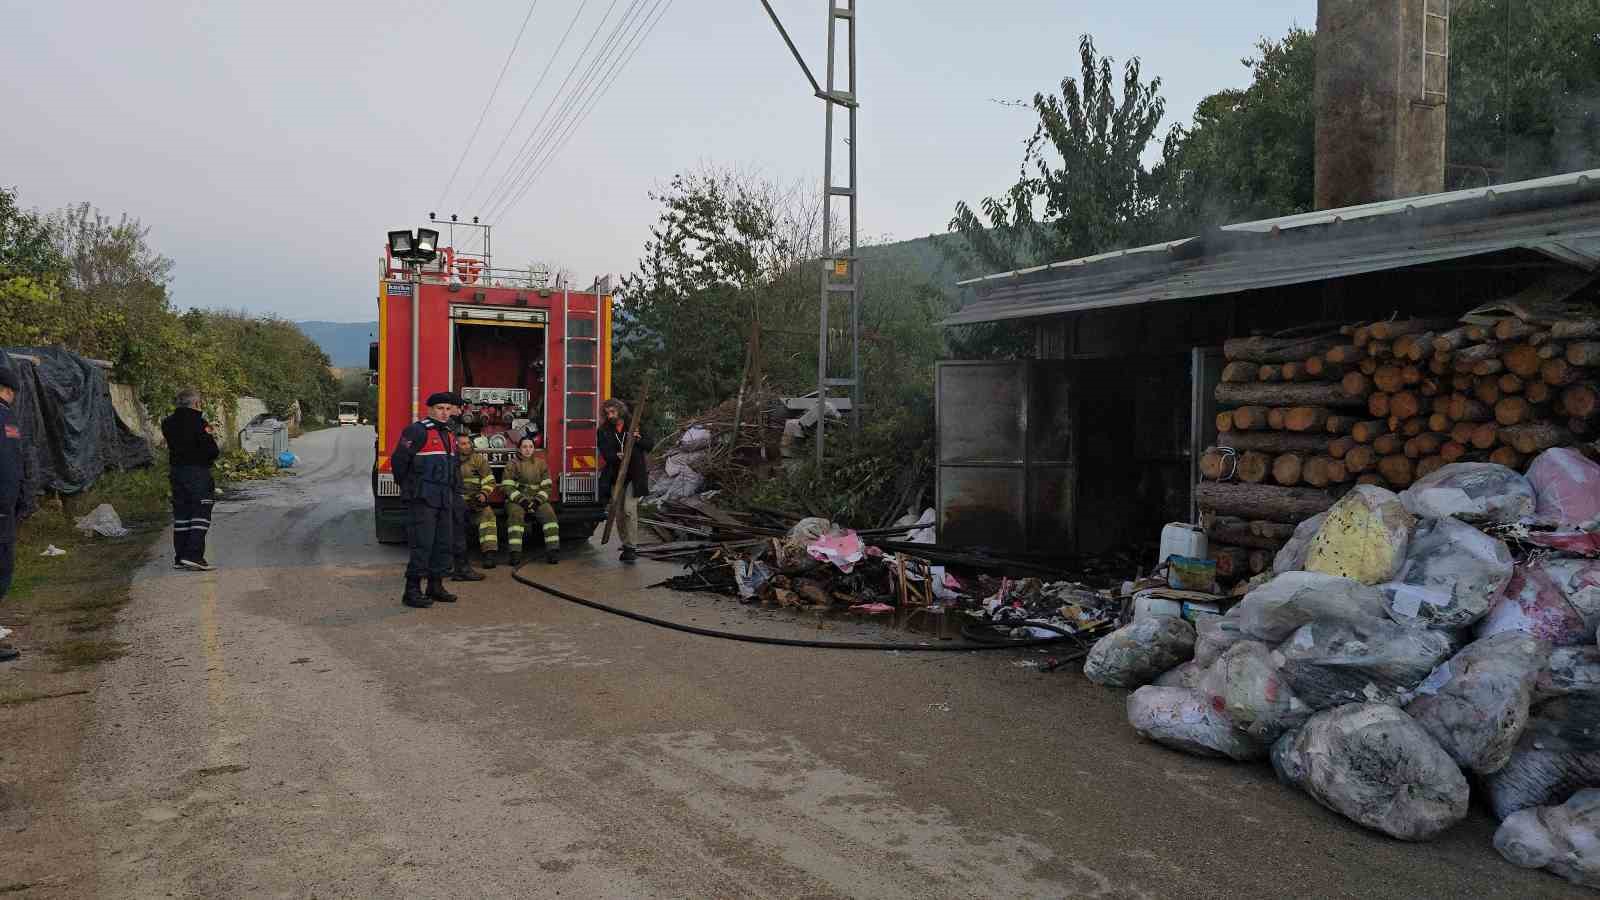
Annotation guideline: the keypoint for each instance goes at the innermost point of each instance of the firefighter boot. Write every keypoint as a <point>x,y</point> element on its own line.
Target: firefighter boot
<point>437,593</point>
<point>465,572</point>
<point>551,556</point>
<point>489,559</point>
<point>413,596</point>
<point>515,559</point>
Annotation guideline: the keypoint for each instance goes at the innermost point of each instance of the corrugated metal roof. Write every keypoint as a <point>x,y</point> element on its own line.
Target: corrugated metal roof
<point>1558,216</point>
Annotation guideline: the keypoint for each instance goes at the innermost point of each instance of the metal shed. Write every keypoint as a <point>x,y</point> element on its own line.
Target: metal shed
<point>1095,441</point>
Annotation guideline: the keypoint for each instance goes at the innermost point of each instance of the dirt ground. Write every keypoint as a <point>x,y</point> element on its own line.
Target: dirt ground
<point>283,727</point>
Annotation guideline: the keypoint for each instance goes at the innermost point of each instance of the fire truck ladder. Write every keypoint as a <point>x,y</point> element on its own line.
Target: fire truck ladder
<point>582,402</point>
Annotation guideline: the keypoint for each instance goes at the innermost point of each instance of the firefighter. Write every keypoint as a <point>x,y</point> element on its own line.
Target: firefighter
<point>611,438</point>
<point>462,570</point>
<point>10,486</point>
<point>475,485</point>
<point>528,490</point>
<point>424,463</point>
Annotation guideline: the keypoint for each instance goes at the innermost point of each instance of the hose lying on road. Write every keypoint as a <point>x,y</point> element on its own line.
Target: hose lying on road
<point>794,642</point>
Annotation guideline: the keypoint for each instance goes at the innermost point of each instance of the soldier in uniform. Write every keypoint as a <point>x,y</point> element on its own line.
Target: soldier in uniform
<point>528,490</point>
<point>424,464</point>
<point>10,487</point>
<point>475,485</point>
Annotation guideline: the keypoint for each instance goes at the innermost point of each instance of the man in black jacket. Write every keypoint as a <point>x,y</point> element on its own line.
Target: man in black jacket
<point>10,486</point>
<point>610,440</point>
<point>191,449</point>
<point>425,467</point>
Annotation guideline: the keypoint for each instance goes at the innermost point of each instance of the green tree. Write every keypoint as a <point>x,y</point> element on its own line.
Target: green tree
<point>27,247</point>
<point>1083,187</point>
<point>1524,89</point>
<point>726,252</point>
<point>1251,153</point>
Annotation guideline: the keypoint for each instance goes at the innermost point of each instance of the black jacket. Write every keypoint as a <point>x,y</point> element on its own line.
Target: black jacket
<point>187,441</point>
<point>609,440</point>
<point>10,465</point>
<point>425,464</point>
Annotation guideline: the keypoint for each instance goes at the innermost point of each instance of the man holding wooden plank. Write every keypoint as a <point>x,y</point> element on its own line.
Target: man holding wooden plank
<point>612,441</point>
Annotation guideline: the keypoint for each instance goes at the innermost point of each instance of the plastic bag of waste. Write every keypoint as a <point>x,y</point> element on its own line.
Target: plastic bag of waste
<point>1569,724</point>
<point>843,550</point>
<point>1245,684</point>
<point>1555,757</point>
<point>1184,719</point>
<point>1571,670</point>
<point>1138,652</point>
<point>1557,600</point>
<point>1184,676</point>
<point>102,520</point>
<point>1360,660</point>
<point>750,575</point>
<point>1273,611</point>
<point>695,439</point>
<point>1452,574</point>
<point>1567,485</point>
<point>1292,556</point>
<point>809,529</point>
<point>1483,493</point>
<point>1214,634</point>
<point>1364,537</point>
<point>1476,703</point>
<point>1375,765</point>
<point>1564,839</point>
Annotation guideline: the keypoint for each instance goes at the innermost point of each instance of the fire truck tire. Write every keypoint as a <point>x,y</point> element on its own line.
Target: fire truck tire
<point>574,533</point>
<point>391,535</point>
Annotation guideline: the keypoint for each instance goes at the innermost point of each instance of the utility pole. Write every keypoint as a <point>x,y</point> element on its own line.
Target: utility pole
<point>841,273</point>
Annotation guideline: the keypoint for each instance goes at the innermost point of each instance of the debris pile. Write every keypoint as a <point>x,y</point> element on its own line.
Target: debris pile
<point>1412,649</point>
<point>783,560</point>
<point>728,447</point>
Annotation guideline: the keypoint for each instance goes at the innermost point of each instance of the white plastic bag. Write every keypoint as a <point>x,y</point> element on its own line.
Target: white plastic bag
<point>1476,704</point>
<point>1564,839</point>
<point>1140,651</point>
<point>1183,676</point>
<point>104,521</point>
<point>1292,557</point>
<point>1554,758</point>
<point>1374,765</point>
<point>1360,660</point>
<point>1557,600</point>
<point>1364,537</point>
<point>1185,720</point>
<point>1571,670</point>
<point>1452,574</point>
<point>1245,684</point>
<point>1484,493</point>
<point>1215,634</point>
<point>1273,611</point>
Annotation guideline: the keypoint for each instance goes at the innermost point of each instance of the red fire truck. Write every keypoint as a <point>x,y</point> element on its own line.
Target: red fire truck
<point>529,357</point>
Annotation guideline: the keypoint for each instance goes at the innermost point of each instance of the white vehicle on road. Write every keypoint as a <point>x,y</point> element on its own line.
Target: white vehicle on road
<point>349,413</point>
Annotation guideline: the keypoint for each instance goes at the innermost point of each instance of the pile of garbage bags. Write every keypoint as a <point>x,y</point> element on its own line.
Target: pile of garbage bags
<point>1405,651</point>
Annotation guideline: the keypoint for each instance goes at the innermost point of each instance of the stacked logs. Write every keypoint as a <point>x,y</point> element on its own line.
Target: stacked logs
<point>1286,427</point>
<point>1384,403</point>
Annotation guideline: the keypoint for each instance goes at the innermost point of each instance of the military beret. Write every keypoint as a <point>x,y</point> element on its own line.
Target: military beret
<point>439,397</point>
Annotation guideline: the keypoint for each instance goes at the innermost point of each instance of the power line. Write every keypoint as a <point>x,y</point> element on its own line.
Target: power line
<point>572,107</point>
<point>610,79</point>
<point>505,178</point>
<point>587,83</point>
<point>525,103</point>
<point>490,102</point>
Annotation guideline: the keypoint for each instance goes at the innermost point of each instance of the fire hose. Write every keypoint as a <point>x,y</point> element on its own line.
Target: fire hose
<point>1063,634</point>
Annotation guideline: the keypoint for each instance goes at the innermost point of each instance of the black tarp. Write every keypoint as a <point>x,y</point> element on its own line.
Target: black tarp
<point>70,430</point>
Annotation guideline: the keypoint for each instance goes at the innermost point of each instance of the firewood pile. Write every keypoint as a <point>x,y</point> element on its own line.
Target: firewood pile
<point>1306,416</point>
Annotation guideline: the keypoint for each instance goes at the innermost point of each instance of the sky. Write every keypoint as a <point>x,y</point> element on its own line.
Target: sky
<point>269,146</point>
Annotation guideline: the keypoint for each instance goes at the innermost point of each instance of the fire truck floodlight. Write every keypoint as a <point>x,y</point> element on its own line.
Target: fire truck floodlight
<point>427,242</point>
<point>400,243</point>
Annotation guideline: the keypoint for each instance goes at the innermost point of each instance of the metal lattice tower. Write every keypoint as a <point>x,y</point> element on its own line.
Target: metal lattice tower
<point>841,273</point>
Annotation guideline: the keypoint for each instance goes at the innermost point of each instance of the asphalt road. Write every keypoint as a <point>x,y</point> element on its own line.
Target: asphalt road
<point>284,727</point>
